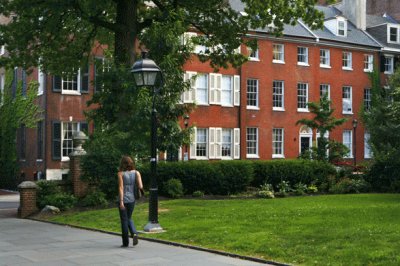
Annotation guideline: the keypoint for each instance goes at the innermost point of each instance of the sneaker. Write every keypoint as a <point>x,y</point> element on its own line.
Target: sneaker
<point>135,240</point>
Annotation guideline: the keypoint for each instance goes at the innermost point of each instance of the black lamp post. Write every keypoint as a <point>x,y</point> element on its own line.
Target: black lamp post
<point>355,122</point>
<point>186,123</point>
<point>148,74</point>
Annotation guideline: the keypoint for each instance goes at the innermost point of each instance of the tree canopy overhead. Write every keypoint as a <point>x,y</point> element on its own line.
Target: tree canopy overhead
<point>62,33</point>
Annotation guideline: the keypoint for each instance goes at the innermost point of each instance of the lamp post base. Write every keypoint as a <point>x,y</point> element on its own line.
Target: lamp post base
<point>153,228</point>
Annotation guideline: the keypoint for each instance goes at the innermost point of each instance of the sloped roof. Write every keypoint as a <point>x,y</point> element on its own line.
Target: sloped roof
<point>377,28</point>
<point>354,35</point>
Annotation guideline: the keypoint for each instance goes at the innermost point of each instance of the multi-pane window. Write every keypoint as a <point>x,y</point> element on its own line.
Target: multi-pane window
<point>302,55</point>
<point>40,135</point>
<point>254,54</point>
<point>278,54</point>
<point>368,62</point>
<point>278,95</point>
<point>68,130</point>
<point>72,83</point>
<point>302,96</point>
<point>324,91</point>
<point>252,142</point>
<point>101,66</point>
<point>226,143</point>
<point>202,89</point>
<point>348,142</point>
<point>347,100</point>
<point>252,93</point>
<point>324,58</point>
<point>367,99</point>
<point>367,147</point>
<point>394,34</point>
<point>227,90</point>
<point>201,142</point>
<point>41,80</point>
<point>389,64</point>
<point>277,142</point>
<point>346,60</point>
<point>341,28</point>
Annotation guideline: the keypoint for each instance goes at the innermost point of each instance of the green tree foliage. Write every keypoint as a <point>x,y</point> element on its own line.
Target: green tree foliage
<point>382,121</point>
<point>324,122</point>
<point>14,112</point>
<point>63,34</point>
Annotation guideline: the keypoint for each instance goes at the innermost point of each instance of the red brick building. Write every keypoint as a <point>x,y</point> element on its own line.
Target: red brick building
<point>244,113</point>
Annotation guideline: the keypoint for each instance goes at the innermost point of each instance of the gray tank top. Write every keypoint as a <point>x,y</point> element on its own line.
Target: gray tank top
<point>129,179</point>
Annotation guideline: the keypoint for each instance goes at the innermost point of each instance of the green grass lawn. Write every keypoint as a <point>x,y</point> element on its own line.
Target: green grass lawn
<point>361,229</point>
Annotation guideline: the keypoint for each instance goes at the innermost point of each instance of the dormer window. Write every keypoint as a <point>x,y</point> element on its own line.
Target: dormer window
<point>393,33</point>
<point>341,27</point>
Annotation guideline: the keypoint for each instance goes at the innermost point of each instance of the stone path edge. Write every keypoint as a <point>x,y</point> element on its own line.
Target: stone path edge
<point>219,252</point>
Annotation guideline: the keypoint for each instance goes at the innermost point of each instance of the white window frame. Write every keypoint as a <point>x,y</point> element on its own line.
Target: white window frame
<point>229,91</point>
<point>389,64</point>
<point>229,143</point>
<point>348,144</point>
<point>199,88</point>
<point>367,99</point>
<point>367,147</point>
<point>278,97</point>
<point>278,53</point>
<point>256,87</point>
<point>63,131</point>
<point>350,99</point>
<point>254,55</point>
<point>341,22</point>
<point>397,28</point>
<point>347,60</point>
<point>325,58</point>
<point>248,141</point>
<point>299,87</point>
<point>278,142</point>
<point>187,39</point>
<point>2,50</point>
<point>302,52</point>
<point>327,87</point>
<point>206,143</point>
<point>42,81</point>
<point>69,80</point>
<point>368,62</point>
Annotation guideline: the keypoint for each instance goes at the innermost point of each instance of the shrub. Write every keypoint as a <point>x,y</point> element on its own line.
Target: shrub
<point>95,198</point>
<point>46,188</point>
<point>62,200</point>
<point>173,188</point>
<point>300,189</point>
<point>347,185</point>
<point>311,189</point>
<point>198,194</point>
<point>265,194</point>
<point>283,189</point>
<point>294,171</point>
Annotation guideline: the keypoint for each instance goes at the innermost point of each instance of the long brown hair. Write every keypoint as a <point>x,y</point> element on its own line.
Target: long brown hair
<point>126,164</point>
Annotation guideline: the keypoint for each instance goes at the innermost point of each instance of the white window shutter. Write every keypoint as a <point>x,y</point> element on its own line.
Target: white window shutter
<point>218,143</point>
<point>212,85</point>
<point>236,90</point>
<point>193,139</point>
<point>211,143</point>
<point>188,94</point>
<point>236,143</point>
<point>218,89</point>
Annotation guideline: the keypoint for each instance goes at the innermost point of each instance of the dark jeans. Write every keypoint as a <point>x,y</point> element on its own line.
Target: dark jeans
<point>126,222</point>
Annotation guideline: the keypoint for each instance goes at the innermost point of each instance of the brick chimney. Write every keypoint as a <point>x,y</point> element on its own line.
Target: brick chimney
<point>356,12</point>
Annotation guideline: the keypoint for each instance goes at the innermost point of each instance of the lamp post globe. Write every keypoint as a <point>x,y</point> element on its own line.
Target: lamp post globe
<point>147,74</point>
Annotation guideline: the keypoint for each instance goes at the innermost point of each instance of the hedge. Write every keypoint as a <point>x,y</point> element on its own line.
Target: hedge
<point>230,177</point>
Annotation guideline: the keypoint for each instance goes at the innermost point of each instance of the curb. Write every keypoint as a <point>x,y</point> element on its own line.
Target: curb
<point>218,252</point>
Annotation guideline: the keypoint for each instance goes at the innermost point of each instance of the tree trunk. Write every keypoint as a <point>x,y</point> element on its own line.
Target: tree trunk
<point>126,34</point>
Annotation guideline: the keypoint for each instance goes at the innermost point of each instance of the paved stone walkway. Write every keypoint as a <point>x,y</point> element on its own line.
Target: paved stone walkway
<point>28,242</point>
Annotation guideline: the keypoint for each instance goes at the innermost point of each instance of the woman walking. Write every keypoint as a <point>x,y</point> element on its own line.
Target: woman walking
<point>128,178</point>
